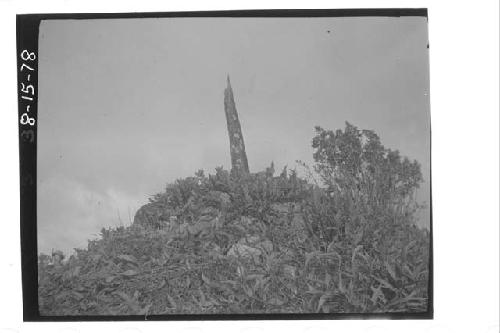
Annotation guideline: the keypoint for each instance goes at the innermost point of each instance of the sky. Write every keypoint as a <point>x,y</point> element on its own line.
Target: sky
<point>128,105</point>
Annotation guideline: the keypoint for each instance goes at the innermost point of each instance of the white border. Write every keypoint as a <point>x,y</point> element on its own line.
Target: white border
<point>464,43</point>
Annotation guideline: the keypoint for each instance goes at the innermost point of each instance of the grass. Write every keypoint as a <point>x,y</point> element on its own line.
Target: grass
<point>297,259</point>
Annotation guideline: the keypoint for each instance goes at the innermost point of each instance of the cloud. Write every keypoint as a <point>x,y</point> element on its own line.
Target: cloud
<point>70,213</point>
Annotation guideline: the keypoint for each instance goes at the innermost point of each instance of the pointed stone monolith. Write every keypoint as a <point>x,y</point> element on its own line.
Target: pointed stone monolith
<point>239,162</point>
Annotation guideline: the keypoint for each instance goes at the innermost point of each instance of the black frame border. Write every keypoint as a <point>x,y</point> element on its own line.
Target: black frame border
<point>27,30</point>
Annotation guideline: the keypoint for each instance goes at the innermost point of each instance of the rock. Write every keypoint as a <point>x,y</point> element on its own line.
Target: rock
<point>152,215</point>
<point>281,208</point>
<point>209,211</point>
<point>251,247</point>
<point>127,258</point>
<point>244,251</point>
<point>129,273</point>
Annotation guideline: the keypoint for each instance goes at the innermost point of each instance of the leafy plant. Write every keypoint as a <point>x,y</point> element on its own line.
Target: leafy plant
<point>262,243</point>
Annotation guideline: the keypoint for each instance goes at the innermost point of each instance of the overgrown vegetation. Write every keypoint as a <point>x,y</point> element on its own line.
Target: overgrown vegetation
<point>261,243</point>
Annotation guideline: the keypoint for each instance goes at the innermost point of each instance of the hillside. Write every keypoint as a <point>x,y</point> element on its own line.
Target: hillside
<point>260,243</point>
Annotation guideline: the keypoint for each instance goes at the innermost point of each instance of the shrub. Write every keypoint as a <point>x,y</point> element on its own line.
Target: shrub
<point>362,225</point>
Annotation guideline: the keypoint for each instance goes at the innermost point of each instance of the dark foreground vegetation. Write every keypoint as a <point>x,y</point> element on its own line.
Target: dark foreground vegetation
<point>342,240</point>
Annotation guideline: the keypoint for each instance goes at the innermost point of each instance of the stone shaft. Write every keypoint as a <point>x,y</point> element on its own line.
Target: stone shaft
<point>239,162</point>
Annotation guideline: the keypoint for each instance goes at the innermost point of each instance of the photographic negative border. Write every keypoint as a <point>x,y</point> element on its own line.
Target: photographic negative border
<point>27,29</point>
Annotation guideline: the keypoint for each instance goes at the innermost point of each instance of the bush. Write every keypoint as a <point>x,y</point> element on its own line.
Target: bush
<point>364,222</point>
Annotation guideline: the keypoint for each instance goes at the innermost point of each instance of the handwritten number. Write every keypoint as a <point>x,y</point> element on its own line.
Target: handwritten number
<point>29,89</point>
<point>26,66</point>
<point>25,55</point>
<point>26,120</point>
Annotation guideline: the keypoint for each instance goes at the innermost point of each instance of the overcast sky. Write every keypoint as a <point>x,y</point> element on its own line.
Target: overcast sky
<point>128,105</point>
